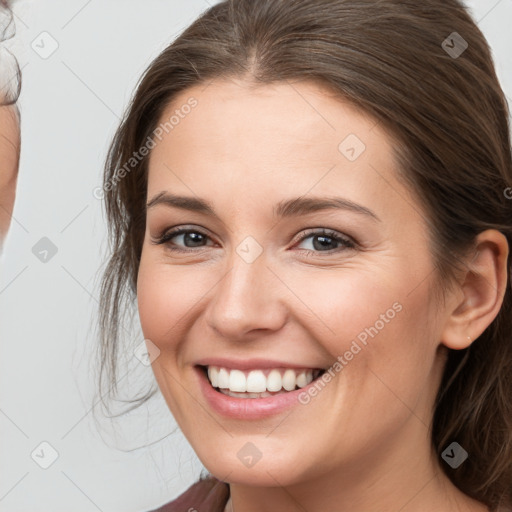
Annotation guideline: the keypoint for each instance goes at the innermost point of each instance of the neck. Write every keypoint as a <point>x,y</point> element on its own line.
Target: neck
<point>393,479</point>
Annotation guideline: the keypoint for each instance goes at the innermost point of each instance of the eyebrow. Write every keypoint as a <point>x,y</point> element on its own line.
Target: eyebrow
<point>287,208</point>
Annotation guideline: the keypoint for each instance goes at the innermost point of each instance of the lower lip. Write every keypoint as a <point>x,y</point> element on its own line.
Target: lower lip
<point>248,408</point>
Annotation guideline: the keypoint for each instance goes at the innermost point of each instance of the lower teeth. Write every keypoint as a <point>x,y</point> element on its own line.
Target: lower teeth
<point>236,394</point>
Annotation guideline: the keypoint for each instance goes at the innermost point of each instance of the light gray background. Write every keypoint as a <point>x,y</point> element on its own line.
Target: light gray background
<point>70,105</point>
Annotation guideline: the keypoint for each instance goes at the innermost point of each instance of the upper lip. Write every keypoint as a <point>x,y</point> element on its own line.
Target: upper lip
<point>251,364</point>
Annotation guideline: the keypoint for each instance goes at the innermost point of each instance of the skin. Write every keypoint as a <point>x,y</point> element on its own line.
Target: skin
<point>9,161</point>
<point>244,149</point>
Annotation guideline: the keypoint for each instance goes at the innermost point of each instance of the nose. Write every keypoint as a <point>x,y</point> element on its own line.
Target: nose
<point>249,297</point>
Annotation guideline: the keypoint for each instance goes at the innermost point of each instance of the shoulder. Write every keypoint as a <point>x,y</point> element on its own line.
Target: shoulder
<point>207,494</point>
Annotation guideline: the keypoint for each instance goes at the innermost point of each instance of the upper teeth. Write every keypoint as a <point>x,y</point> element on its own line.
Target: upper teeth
<point>255,381</point>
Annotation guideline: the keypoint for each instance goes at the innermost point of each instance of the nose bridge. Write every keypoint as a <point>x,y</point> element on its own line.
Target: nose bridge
<point>245,298</point>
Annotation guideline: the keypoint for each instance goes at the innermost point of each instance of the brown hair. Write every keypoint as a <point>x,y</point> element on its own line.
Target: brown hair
<point>396,60</point>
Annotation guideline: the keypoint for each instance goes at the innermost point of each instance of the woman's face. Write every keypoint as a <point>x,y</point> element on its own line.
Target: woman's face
<point>267,279</point>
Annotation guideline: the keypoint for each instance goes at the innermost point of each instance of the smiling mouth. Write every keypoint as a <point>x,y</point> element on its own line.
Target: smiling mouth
<point>259,383</point>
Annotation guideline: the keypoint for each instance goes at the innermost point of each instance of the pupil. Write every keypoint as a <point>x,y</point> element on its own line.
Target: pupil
<point>193,237</point>
<point>322,245</point>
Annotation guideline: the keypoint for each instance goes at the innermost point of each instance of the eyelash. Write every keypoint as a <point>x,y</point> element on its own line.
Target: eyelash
<point>345,241</point>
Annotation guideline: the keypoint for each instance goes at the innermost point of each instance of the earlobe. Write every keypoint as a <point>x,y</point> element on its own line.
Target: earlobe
<point>483,286</point>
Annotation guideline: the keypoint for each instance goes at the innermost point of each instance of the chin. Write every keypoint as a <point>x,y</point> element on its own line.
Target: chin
<point>240,463</point>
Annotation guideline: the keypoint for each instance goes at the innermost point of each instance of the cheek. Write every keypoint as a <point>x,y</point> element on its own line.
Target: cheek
<point>337,305</point>
<point>374,321</point>
<point>164,296</point>
<point>152,301</point>
<point>163,299</point>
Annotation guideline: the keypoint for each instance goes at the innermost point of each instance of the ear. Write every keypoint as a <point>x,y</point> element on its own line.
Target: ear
<point>484,282</point>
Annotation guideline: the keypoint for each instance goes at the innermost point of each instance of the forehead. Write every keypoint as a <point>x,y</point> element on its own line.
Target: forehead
<point>232,118</point>
<point>271,142</point>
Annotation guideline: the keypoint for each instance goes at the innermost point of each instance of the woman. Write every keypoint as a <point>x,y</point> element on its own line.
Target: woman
<point>309,201</point>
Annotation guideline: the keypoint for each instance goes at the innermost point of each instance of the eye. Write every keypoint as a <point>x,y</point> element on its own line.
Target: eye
<point>324,240</point>
<point>190,237</point>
